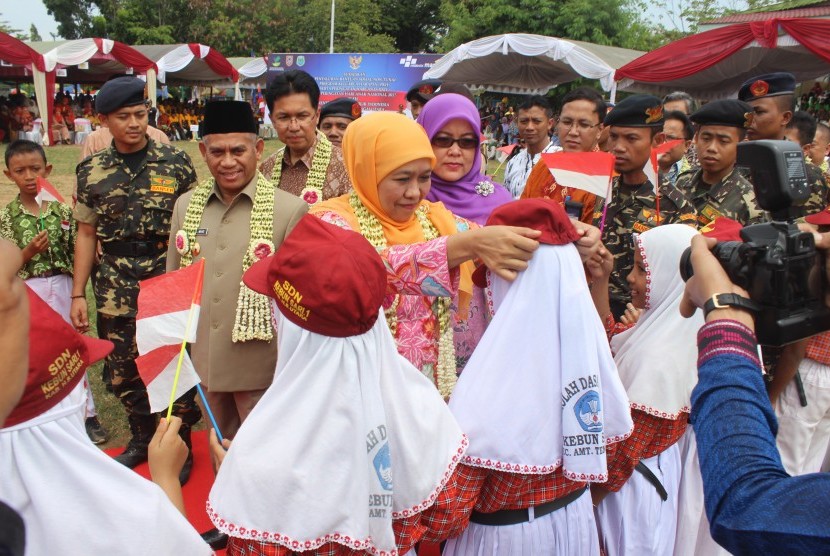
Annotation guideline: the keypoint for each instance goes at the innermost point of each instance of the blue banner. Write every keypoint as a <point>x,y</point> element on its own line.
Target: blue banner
<point>377,81</point>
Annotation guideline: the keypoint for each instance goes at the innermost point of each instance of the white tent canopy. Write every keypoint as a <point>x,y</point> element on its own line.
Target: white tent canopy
<point>251,71</point>
<point>529,64</point>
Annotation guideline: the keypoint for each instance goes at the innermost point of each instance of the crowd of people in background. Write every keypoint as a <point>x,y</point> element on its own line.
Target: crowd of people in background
<point>399,350</point>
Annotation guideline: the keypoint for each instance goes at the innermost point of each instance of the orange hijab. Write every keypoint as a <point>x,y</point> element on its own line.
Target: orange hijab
<point>374,146</point>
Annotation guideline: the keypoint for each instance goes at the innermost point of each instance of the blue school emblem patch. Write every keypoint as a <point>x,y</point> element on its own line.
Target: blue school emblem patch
<point>383,467</point>
<point>589,412</point>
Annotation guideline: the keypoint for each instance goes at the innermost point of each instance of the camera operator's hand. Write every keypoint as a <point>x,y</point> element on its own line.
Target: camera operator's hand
<point>710,279</point>
<point>823,245</point>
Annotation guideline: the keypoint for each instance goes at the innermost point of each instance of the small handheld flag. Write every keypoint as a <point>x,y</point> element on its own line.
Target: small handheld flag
<point>47,192</point>
<point>591,171</point>
<point>652,170</point>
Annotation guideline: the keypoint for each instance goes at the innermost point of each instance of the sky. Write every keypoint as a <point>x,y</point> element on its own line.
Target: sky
<point>20,14</point>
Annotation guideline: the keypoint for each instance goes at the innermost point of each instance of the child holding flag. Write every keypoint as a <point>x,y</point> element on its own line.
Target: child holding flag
<point>41,225</point>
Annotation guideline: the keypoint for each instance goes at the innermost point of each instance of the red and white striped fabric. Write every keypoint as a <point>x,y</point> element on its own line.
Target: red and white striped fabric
<point>587,171</point>
<point>46,192</point>
<point>168,314</point>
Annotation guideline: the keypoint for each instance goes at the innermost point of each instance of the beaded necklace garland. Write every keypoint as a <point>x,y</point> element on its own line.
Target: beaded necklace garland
<point>253,310</point>
<point>312,193</point>
<point>371,228</point>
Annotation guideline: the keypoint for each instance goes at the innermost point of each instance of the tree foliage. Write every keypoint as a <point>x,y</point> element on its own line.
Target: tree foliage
<point>243,27</point>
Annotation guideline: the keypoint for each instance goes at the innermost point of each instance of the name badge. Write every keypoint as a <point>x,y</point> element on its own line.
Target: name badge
<point>201,232</point>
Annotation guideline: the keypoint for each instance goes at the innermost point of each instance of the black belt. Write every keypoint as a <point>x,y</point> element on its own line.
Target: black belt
<point>49,273</point>
<point>512,517</point>
<point>134,248</point>
<point>652,478</point>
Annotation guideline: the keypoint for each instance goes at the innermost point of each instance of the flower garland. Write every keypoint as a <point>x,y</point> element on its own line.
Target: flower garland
<point>372,230</point>
<point>312,193</point>
<point>253,310</point>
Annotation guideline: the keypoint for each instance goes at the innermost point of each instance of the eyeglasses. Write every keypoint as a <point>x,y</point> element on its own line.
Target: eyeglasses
<point>445,142</point>
<point>284,120</point>
<point>580,125</point>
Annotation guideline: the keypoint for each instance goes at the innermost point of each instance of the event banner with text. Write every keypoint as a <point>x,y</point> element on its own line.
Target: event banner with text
<point>377,81</point>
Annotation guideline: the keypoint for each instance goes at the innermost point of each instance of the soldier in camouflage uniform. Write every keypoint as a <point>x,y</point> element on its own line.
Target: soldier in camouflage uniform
<point>126,195</point>
<point>635,127</point>
<point>715,188</point>
<point>772,97</point>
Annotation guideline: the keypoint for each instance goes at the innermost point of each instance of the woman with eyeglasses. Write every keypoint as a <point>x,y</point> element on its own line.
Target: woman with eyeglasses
<point>452,123</point>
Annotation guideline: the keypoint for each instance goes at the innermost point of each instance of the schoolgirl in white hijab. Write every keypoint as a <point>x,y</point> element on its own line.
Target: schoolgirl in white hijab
<point>657,362</point>
<point>350,436</point>
<point>74,499</point>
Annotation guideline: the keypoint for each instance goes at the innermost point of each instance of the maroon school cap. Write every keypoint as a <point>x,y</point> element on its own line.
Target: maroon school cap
<point>544,215</point>
<point>324,278</point>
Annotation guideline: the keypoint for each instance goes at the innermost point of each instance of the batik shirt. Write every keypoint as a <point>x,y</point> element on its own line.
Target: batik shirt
<point>20,227</point>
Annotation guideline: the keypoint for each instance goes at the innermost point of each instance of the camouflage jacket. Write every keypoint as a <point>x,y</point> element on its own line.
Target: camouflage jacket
<point>732,197</point>
<point>819,195</point>
<point>633,210</point>
<point>130,207</point>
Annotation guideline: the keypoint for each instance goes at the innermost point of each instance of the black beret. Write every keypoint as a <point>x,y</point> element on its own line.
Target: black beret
<point>342,108</point>
<point>118,93</point>
<point>733,113</point>
<point>637,111</point>
<point>423,90</point>
<point>228,116</point>
<point>767,85</point>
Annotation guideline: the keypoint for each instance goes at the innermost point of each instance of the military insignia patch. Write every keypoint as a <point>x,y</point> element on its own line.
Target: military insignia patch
<point>356,111</point>
<point>162,184</point>
<point>655,114</point>
<point>708,214</point>
<point>759,88</point>
<point>426,89</point>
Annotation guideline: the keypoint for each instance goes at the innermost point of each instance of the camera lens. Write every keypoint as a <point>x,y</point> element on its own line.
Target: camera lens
<point>686,270</point>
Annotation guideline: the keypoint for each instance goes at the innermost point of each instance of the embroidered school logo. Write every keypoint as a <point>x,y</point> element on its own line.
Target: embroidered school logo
<point>383,466</point>
<point>759,88</point>
<point>355,61</point>
<point>589,412</point>
<point>289,61</point>
<point>300,61</point>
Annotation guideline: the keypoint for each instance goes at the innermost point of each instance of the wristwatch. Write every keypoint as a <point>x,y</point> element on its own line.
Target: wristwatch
<point>724,300</point>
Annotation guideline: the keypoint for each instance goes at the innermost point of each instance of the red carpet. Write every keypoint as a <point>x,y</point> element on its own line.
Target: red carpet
<point>197,488</point>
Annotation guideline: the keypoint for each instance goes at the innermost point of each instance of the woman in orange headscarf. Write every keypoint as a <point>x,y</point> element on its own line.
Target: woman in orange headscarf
<point>427,250</point>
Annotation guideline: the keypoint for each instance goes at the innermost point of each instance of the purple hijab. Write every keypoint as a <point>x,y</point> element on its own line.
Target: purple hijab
<point>460,196</point>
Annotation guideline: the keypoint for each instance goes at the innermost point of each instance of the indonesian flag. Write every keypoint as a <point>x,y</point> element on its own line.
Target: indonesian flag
<point>651,169</point>
<point>158,371</point>
<point>168,315</point>
<point>46,192</point>
<point>505,151</point>
<point>588,171</point>
<point>164,304</point>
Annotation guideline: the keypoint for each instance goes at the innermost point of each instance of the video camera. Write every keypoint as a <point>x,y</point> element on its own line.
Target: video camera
<point>775,260</point>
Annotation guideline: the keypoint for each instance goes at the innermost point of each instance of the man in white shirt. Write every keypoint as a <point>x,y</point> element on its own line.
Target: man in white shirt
<point>535,122</point>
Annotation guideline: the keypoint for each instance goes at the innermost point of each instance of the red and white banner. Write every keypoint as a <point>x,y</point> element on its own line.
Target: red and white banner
<point>588,171</point>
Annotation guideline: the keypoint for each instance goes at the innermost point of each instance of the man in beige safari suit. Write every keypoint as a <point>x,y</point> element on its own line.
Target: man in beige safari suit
<point>232,220</point>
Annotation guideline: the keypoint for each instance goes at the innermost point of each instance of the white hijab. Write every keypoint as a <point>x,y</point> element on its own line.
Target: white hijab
<point>76,500</point>
<point>348,437</point>
<point>541,390</point>
<point>657,357</point>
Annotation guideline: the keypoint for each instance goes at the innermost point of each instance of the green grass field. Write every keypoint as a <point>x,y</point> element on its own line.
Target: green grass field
<point>64,159</point>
